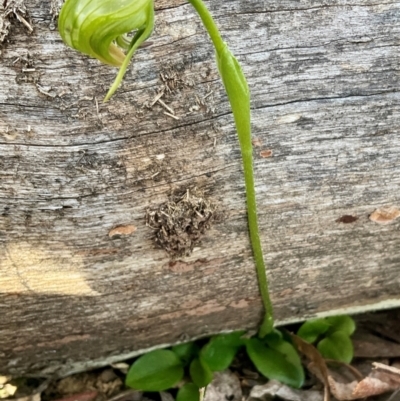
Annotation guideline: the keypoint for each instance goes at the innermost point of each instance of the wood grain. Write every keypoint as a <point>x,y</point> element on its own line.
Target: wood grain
<point>324,78</point>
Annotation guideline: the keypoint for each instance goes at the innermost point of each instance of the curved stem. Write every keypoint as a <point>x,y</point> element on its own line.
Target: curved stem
<point>208,23</point>
<point>140,36</point>
<point>239,97</point>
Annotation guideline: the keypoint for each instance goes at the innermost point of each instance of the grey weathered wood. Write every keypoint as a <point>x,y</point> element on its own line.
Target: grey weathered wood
<point>324,77</point>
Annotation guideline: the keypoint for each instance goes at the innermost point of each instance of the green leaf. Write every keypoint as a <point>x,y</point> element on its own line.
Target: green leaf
<point>273,364</point>
<point>186,352</point>
<point>312,329</point>
<point>218,357</point>
<point>233,339</point>
<point>337,346</point>
<point>155,371</point>
<point>274,337</point>
<point>200,373</point>
<point>344,324</point>
<point>189,392</point>
<point>220,351</point>
<point>289,351</point>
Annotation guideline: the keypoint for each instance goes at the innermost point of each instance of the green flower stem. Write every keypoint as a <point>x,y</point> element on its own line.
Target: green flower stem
<point>239,97</point>
<point>208,23</point>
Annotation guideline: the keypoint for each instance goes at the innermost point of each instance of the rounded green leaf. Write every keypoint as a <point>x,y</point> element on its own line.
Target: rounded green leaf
<point>337,346</point>
<point>218,357</point>
<point>186,352</point>
<point>200,373</point>
<point>273,364</point>
<point>219,352</point>
<point>344,324</point>
<point>189,392</point>
<point>289,351</point>
<point>155,371</point>
<point>312,329</point>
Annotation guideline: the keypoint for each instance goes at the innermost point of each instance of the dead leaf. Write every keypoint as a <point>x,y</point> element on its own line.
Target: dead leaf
<point>369,387</point>
<point>4,379</point>
<point>7,390</point>
<point>166,396</point>
<point>225,386</point>
<point>128,395</point>
<point>121,366</point>
<point>382,379</point>
<point>385,215</point>
<point>387,372</point>
<point>317,364</point>
<point>275,389</point>
<point>342,391</point>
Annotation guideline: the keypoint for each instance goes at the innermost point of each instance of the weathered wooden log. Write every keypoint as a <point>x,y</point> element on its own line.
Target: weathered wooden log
<point>123,225</point>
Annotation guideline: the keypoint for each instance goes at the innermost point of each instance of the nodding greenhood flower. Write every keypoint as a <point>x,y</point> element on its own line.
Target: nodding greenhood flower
<point>99,29</point>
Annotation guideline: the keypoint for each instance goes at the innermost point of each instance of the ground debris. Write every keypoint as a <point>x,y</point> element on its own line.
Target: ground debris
<point>274,389</point>
<point>55,7</point>
<point>382,379</point>
<point>100,385</point>
<point>12,9</point>
<point>225,386</point>
<point>173,79</point>
<point>180,222</point>
<point>4,24</point>
<point>369,345</point>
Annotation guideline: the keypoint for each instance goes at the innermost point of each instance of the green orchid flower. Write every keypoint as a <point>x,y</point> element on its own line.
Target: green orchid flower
<point>99,29</point>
